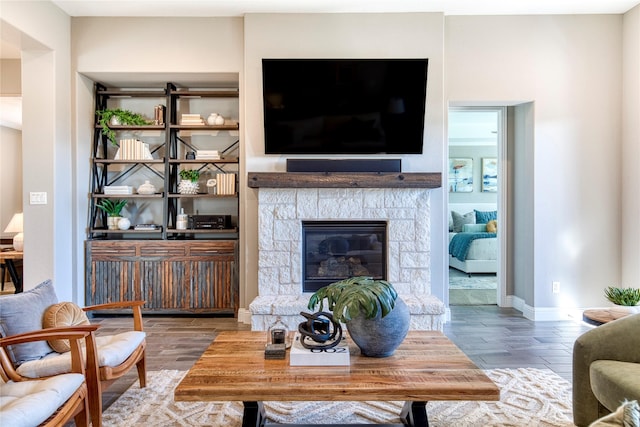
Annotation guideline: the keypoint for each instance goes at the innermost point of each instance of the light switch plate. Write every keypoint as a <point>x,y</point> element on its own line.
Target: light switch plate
<point>38,198</point>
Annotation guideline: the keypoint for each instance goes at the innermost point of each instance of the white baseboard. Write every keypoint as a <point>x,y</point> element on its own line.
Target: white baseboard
<point>545,313</point>
<point>244,316</point>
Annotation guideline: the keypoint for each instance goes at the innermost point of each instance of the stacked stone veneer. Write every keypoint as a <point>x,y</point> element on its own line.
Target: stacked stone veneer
<point>281,212</point>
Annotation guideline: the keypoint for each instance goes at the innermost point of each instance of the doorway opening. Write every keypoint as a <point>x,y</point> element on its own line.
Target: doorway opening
<point>476,135</point>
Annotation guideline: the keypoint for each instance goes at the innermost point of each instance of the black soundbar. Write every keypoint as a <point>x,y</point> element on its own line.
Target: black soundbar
<point>344,165</point>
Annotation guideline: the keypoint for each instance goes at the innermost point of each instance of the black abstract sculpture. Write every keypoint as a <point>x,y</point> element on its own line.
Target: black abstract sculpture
<point>320,331</point>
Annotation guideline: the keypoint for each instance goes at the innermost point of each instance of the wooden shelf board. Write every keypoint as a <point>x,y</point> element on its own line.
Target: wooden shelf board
<point>134,92</point>
<point>138,127</point>
<point>202,195</point>
<point>235,126</point>
<point>202,231</point>
<point>221,160</point>
<point>128,161</point>
<point>127,196</point>
<point>224,93</point>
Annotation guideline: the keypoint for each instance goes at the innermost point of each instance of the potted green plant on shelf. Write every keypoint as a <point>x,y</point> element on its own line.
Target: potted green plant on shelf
<point>113,209</point>
<point>189,181</point>
<point>376,318</point>
<point>118,117</point>
<point>625,299</point>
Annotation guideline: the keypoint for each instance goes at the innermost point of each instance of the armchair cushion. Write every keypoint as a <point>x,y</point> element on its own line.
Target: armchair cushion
<point>611,379</point>
<point>23,312</point>
<point>112,351</point>
<point>32,402</point>
<point>60,315</point>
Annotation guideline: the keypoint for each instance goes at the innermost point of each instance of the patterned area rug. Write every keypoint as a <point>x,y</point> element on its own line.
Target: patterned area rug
<point>461,280</point>
<point>529,397</point>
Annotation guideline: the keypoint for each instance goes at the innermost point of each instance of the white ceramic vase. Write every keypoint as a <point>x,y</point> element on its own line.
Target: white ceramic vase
<point>124,224</point>
<point>211,120</point>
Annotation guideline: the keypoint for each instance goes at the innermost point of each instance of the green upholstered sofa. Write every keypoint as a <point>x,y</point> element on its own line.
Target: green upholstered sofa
<point>606,369</point>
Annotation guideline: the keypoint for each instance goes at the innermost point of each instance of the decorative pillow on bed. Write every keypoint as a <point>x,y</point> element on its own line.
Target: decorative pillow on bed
<point>492,226</point>
<point>460,220</point>
<point>485,217</point>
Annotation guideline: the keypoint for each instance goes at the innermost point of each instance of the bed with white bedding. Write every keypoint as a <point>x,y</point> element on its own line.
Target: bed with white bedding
<point>482,254</point>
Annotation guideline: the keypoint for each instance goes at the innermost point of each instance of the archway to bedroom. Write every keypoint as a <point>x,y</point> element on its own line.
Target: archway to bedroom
<point>475,136</point>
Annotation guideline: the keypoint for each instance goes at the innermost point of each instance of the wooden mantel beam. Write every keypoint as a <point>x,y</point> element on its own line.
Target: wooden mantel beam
<point>344,180</point>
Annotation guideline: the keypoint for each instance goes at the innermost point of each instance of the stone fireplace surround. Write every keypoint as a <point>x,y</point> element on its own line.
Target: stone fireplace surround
<point>283,205</point>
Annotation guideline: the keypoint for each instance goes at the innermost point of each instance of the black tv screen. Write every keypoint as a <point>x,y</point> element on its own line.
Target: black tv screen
<point>344,106</point>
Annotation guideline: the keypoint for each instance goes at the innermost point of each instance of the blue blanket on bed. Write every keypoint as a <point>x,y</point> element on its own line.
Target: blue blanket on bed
<point>459,244</point>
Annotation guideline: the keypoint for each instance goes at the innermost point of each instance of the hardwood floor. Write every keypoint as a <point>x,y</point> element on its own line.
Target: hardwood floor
<point>495,337</point>
<point>492,337</point>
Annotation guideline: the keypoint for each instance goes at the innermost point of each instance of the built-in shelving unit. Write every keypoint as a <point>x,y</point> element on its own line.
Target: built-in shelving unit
<point>174,270</point>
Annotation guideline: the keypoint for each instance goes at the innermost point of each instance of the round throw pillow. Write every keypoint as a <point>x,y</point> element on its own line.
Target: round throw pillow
<point>61,315</point>
<point>492,226</point>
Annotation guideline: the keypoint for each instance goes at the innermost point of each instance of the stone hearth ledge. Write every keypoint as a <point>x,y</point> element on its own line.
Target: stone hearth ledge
<point>427,311</point>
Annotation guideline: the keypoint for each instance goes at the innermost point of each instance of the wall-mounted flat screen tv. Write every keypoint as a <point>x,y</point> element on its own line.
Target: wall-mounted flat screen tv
<point>344,106</point>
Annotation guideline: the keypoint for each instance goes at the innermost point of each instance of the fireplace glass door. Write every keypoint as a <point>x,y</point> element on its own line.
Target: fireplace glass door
<point>336,250</point>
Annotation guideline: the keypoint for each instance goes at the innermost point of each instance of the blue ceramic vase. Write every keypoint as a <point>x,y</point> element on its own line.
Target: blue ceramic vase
<point>381,336</point>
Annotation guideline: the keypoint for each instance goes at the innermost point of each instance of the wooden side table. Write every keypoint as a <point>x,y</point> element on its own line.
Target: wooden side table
<point>9,257</point>
<point>600,316</point>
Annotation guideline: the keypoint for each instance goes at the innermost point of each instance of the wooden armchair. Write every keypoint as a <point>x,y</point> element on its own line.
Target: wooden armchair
<point>116,354</point>
<point>52,401</point>
<point>108,373</point>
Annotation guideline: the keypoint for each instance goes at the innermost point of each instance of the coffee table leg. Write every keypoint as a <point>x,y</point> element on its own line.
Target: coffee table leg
<point>414,414</point>
<point>254,415</point>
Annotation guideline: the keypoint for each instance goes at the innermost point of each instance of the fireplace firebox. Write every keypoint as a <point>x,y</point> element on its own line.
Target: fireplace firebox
<point>336,250</point>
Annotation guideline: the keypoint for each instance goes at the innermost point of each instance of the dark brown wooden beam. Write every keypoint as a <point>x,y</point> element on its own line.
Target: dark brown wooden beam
<point>344,180</point>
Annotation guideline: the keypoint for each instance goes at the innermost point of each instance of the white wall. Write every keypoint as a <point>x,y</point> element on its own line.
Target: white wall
<point>630,224</point>
<point>522,204</point>
<point>345,36</point>
<point>43,32</point>
<point>570,67</point>
<point>10,177</point>
<point>11,148</point>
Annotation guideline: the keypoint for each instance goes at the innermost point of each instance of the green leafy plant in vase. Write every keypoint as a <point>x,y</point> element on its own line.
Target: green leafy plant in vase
<point>113,209</point>
<point>376,318</point>
<point>118,117</point>
<point>189,181</point>
<point>625,299</point>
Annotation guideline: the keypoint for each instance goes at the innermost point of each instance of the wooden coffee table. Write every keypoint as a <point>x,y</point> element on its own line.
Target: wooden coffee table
<point>427,366</point>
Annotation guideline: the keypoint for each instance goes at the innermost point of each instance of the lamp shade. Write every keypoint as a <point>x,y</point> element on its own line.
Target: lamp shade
<point>15,226</point>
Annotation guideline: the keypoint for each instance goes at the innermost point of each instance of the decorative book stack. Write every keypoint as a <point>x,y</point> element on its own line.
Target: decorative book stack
<point>226,183</point>
<point>336,356</point>
<point>207,155</point>
<point>191,120</point>
<point>133,149</point>
<point>114,190</point>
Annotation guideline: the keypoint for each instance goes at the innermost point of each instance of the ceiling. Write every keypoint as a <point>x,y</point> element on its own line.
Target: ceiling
<point>205,8</point>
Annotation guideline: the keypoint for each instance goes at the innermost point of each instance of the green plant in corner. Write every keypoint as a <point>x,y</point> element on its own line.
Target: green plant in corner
<point>348,298</point>
<point>623,296</point>
<point>112,207</point>
<point>190,174</point>
<point>125,118</point>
